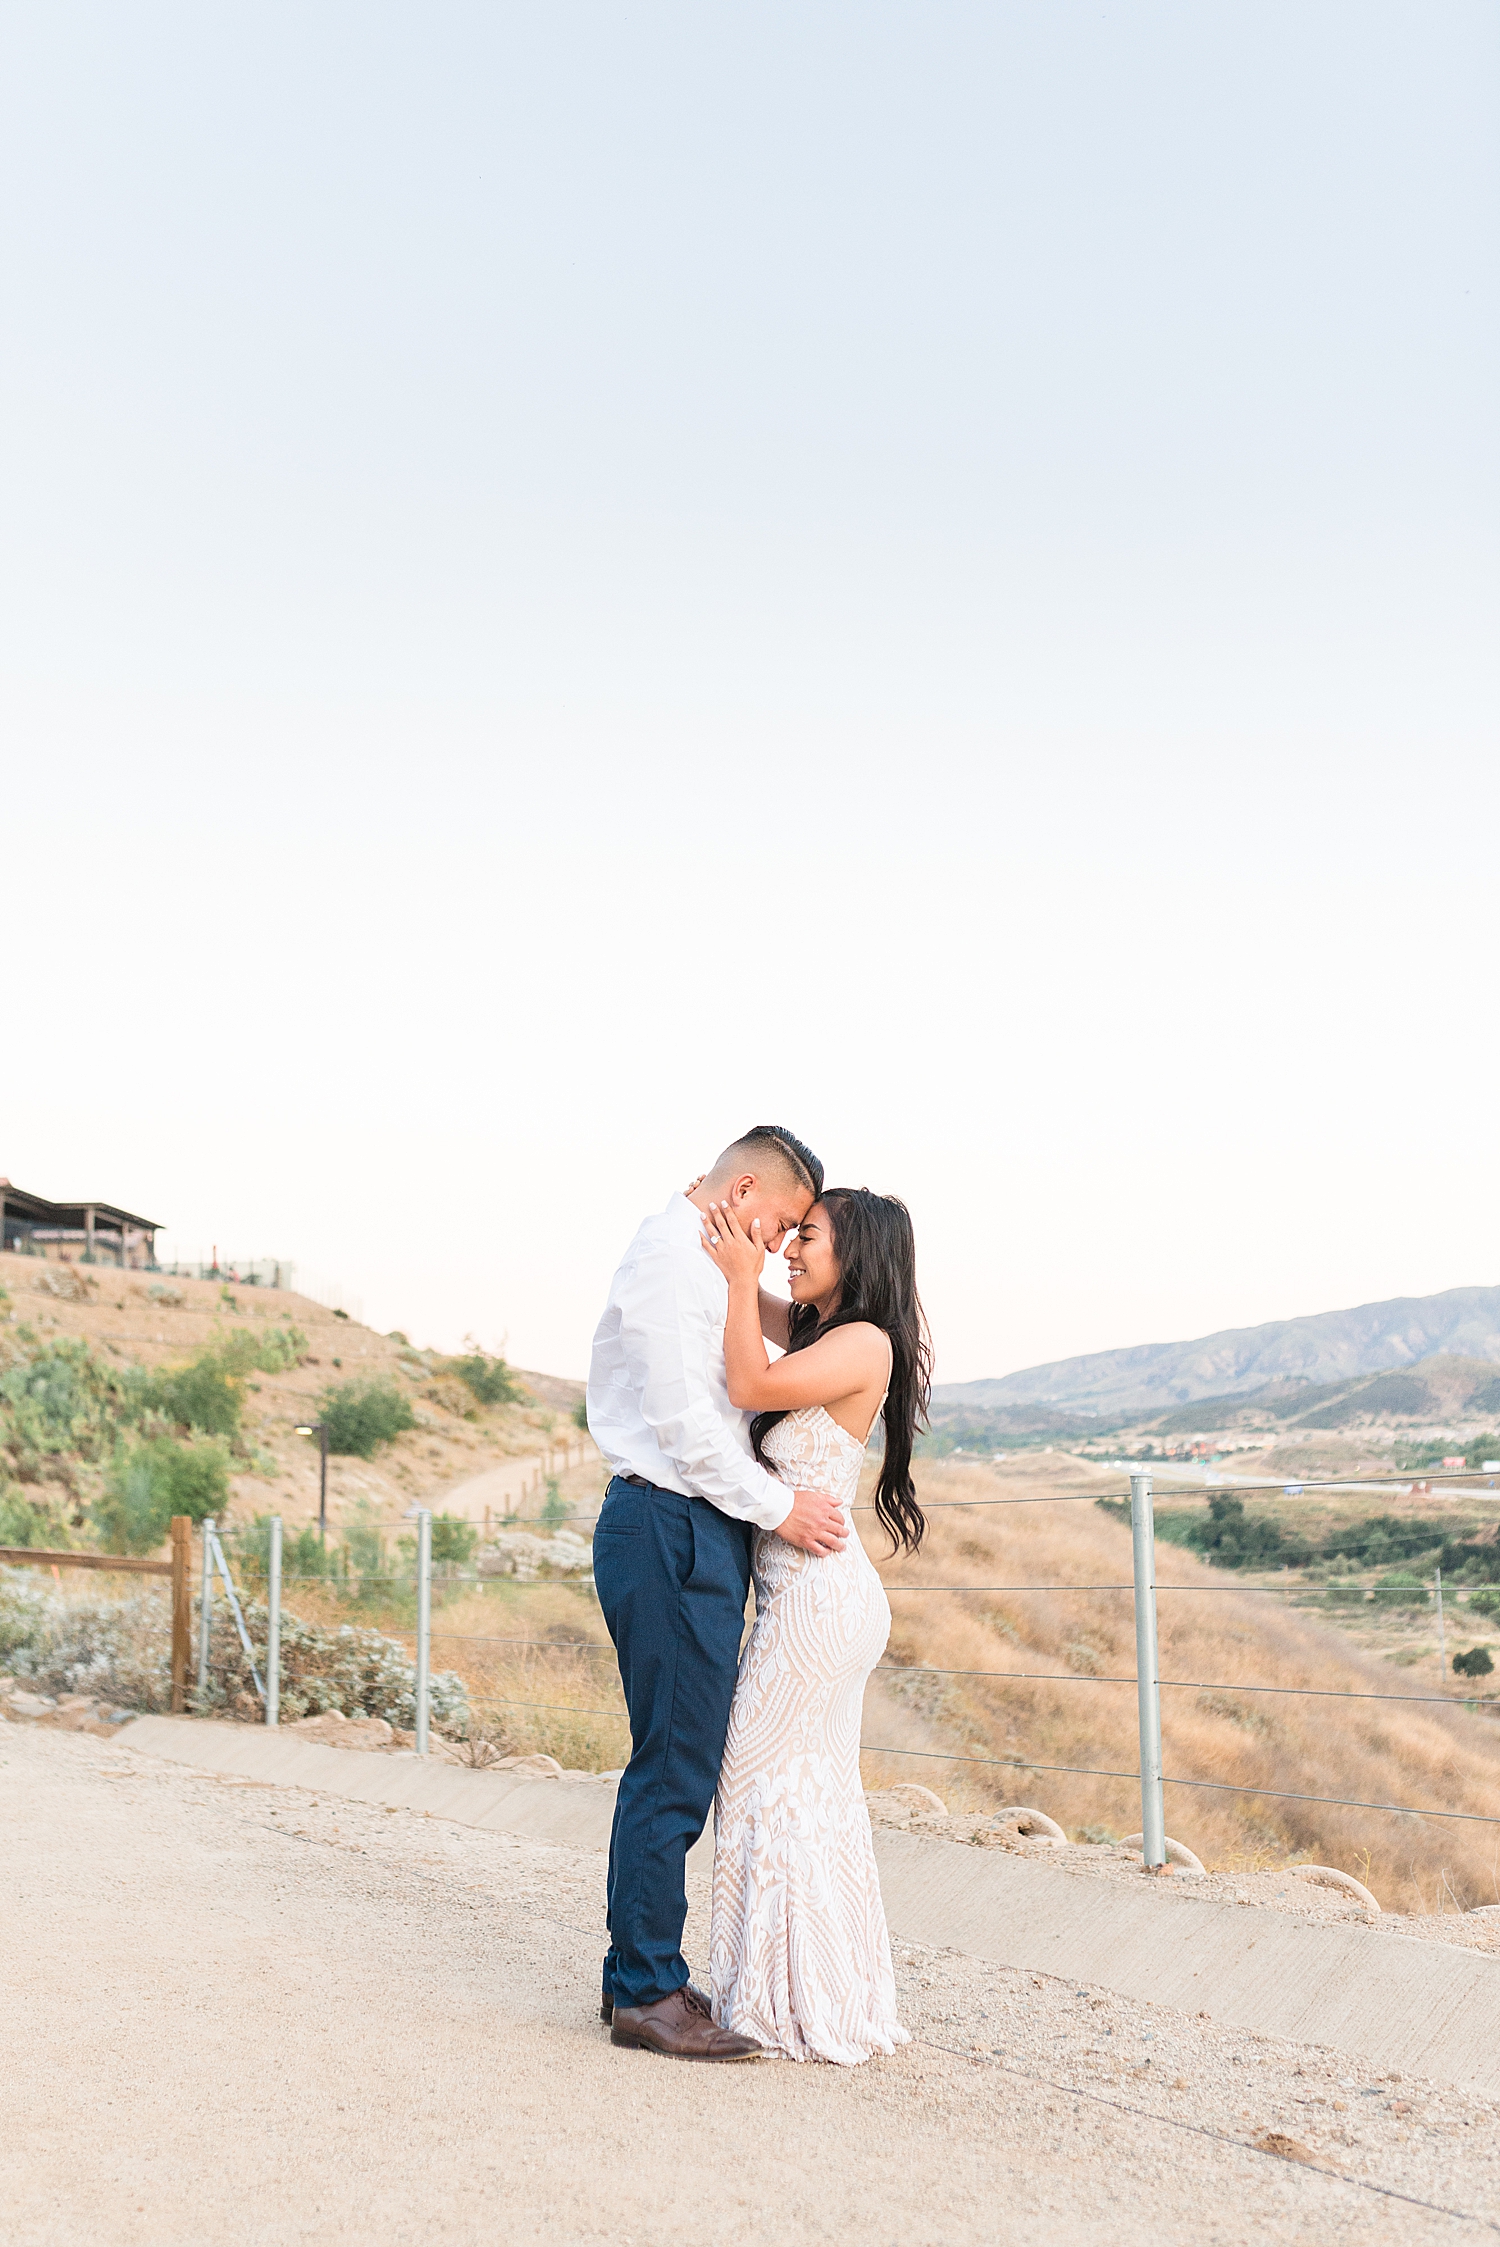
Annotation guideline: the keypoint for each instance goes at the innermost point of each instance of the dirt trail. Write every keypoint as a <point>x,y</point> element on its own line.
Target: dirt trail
<point>240,2013</point>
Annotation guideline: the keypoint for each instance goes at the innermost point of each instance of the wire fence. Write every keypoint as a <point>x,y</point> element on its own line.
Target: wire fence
<point>419,1578</point>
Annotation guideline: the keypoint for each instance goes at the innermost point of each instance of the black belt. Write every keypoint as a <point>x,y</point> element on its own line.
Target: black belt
<point>637,1482</point>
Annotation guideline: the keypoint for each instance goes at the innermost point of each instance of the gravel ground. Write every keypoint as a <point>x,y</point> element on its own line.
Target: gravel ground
<point>245,2013</point>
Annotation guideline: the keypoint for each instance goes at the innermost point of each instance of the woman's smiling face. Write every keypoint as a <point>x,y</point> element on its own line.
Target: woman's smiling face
<point>812,1263</point>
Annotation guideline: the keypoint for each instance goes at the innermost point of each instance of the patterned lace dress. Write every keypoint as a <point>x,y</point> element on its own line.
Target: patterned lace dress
<point>799,1954</point>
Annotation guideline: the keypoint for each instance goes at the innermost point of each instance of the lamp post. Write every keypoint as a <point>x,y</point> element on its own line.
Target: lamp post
<point>319,1428</point>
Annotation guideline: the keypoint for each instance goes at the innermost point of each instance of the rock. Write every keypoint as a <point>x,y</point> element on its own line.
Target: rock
<point>29,1704</point>
<point>335,1730</point>
<point>909,1796</point>
<point>920,1798</point>
<point>516,1552</point>
<point>1289,2149</point>
<point>1329,1876</point>
<point>532,1766</point>
<point>68,1285</point>
<point>904,1805</point>
<point>1178,1855</point>
<point>1020,1819</point>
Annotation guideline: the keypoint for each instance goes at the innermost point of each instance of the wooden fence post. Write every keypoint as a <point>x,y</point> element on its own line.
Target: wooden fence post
<point>182,1607</point>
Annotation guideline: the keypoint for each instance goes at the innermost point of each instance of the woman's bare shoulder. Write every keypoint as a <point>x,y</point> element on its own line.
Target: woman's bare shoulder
<point>864,1347</point>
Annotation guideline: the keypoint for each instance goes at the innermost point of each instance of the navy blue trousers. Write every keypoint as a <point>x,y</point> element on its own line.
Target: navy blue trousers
<point>672,1574</point>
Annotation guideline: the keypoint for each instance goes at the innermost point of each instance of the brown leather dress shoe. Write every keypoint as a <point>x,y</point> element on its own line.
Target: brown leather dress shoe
<point>681,2027</point>
<point>699,1997</point>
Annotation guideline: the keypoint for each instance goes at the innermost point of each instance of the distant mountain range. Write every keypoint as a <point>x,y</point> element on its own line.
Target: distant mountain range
<point>1152,1377</point>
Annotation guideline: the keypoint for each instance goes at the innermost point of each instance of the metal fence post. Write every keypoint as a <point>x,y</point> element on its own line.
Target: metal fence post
<point>424,1623</point>
<point>1437,1585</point>
<point>182,1608</point>
<point>273,1625</point>
<point>1148,1684</point>
<point>205,1601</point>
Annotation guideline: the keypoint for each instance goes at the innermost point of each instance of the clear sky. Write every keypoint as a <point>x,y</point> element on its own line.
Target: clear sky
<point>577,577</point>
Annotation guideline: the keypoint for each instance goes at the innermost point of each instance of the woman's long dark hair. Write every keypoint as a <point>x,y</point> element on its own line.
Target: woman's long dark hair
<point>877,1253</point>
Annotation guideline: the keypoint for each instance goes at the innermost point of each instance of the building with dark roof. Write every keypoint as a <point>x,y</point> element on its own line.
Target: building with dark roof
<point>85,1232</point>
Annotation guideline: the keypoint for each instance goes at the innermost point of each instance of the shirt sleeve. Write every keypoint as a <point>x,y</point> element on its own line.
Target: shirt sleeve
<point>668,1329</point>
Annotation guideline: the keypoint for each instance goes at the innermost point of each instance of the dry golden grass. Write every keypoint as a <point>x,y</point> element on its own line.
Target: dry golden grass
<point>1223,1638</point>
<point>536,1659</point>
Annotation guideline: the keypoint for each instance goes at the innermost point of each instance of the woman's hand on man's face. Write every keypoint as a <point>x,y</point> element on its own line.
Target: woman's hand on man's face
<point>738,1254</point>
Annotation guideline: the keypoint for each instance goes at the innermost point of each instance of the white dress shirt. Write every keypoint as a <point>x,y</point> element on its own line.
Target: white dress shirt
<point>658,1392</point>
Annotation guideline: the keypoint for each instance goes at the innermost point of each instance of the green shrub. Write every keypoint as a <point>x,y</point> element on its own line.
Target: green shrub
<point>120,1650</point>
<point>131,1513</point>
<point>358,1671</point>
<point>554,1510</point>
<point>1412,1457</point>
<point>31,1523</point>
<point>204,1395</point>
<point>58,1401</point>
<point>196,1477</point>
<point>1474,1560</point>
<point>453,1539</point>
<point>301,1556</point>
<point>275,1349</point>
<point>1225,1535</point>
<point>581,1414</point>
<point>490,1380</point>
<point>1400,1590</point>
<point>362,1552</point>
<point>1229,1538</point>
<point>362,1415</point>
<point>1476,1663</point>
<point>150,1483</point>
<point>1486,1601</point>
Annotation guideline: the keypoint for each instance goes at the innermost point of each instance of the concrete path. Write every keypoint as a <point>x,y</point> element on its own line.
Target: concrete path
<point>503,1486</point>
<point>1386,2000</point>
<point>237,2012</point>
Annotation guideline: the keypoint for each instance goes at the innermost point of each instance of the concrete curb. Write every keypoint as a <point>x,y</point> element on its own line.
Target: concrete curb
<point>576,1814</point>
<point>1388,2000</point>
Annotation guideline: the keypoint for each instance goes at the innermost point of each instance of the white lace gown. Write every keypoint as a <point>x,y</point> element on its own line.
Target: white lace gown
<point>800,1958</point>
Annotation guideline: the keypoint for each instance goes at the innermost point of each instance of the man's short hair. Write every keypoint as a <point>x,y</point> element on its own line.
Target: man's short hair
<point>770,1143</point>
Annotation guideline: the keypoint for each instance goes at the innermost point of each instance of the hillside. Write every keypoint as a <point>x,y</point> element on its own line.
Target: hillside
<point>1375,1424</point>
<point>1326,1347</point>
<point>1075,1702</point>
<point>74,1341</point>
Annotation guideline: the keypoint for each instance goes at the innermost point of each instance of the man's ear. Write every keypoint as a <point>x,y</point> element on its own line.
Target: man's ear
<point>741,1189</point>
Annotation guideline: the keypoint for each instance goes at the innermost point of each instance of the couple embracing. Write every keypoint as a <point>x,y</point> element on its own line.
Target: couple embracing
<point>729,1466</point>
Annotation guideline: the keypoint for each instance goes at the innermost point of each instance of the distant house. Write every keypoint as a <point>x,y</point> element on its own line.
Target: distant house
<point>82,1232</point>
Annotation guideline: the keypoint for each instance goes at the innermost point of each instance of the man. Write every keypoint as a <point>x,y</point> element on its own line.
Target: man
<point>672,1565</point>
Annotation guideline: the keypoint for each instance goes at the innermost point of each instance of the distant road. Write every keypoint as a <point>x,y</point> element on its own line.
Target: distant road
<point>1161,1472</point>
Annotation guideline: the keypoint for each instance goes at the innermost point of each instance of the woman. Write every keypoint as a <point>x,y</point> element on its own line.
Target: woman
<point>800,1956</point>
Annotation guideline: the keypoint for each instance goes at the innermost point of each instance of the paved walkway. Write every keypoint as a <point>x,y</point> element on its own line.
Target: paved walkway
<point>236,2012</point>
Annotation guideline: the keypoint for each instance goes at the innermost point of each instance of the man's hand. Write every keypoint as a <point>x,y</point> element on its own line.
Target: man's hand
<point>816,1523</point>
